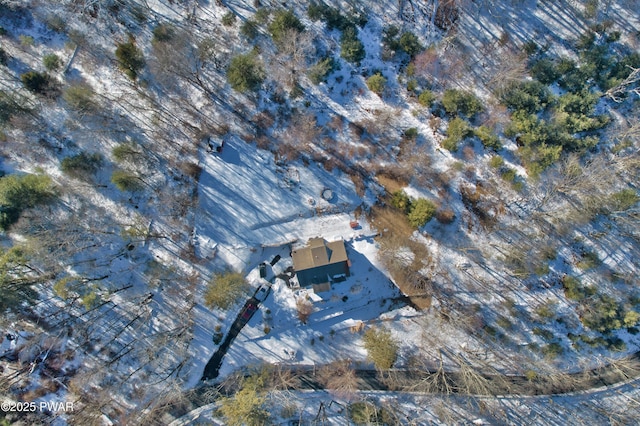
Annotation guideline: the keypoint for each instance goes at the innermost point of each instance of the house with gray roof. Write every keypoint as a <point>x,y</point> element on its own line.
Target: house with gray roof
<point>319,263</point>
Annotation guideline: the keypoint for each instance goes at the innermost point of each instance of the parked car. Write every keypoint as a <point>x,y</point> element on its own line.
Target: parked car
<point>263,270</point>
<point>249,311</point>
<point>262,293</point>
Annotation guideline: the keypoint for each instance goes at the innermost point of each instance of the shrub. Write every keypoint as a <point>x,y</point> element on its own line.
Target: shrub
<point>191,169</point>
<point>616,344</point>
<point>546,311</point>
<point>426,98</point>
<point>574,290</point>
<point>565,66</point>
<point>491,331</point>
<point>366,413</point>
<point>528,96</point>
<point>390,37</point>
<point>401,200</point>
<point>410,44</point>
<point>130,58</point>
<point>582,103</point>
<point>580,123</point>
<point>445,216</point>
<point>351,48</point>
<point>319,72</point>
<point>450,144</point>
<point>10,105</point>
<point>376,83</point>
<point>228,19</point>
<point>530,47</point>
<point>80,97</point>
<point>126,152</point>
<point>163,33</point>
<point>461,102</point>
<point>411,133</point>
<point>90,298</point>
<point>509,175</point>
<point>381,348</point>
<point>245,73</point>
<point>623,200</point>
<point>126,181</point>
<point>631,318</point>
<point>247,406</point>
<point>62,286</point>
<point>504,322</point>
<point>537,159</point>
<point>262,15</point>
<point>552,350</point>
<point>330,15</point>
<point>421,212</point>
<point>488,137</point>
<point>573,78</point>
<point>138,13</point>
<point>3,57</point>
<point>315,11</point>
<point>283,23</point>
<point>545,71</point>
<point>528,128</point>
<point>81,165</point>
<point>586,40</point>
<point>51,62</point>
<point>26,40</point>
<point>589,260</point>
<point>56,23</point>
<point>496,162</point>
<point>225,289</point>
<point>18,193</point>
<point>602,314</point>
<point>35,82</point>
<point>596,63</point>
<point>457,130</point>
<point>249,29</point>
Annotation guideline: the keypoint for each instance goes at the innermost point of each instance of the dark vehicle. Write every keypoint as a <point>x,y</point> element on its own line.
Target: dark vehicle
<point>249,311</point>
<point>263,270</point>
<point>275,259</point>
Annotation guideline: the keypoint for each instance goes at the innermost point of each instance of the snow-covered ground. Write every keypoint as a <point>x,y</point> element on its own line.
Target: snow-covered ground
<point>615,404</point>
<point>251,210</point>
<point>252,205</point>
<point>247,202</point>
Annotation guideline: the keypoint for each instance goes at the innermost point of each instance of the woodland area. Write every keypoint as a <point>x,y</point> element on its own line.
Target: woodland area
<point>494,156</point>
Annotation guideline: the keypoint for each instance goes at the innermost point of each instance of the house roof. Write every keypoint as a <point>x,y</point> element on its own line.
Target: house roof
<point>317,253</point>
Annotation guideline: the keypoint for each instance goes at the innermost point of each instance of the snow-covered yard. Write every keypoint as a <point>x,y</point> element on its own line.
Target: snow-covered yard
<point>121,311</point>
<point>252,209</point>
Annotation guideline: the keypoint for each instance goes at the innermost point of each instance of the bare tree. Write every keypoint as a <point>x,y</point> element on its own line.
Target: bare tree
<point>181,56</point>
<point>438,381</point>
<point>302,134</point>
<point>305,309</point>
<point>292,58</point>
<point>504,66</point>
<point>626,86</point>
<point>282,378</point>
<point>339,377</point>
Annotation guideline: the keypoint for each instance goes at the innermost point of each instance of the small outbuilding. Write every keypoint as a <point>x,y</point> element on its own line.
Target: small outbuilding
<point>320,263</point>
